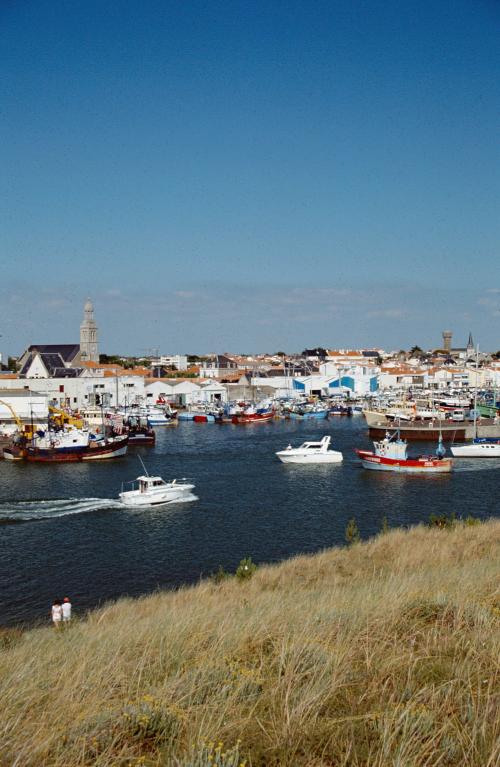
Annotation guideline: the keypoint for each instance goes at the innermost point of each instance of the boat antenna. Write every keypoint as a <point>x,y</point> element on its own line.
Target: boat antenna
<point>142,462</point>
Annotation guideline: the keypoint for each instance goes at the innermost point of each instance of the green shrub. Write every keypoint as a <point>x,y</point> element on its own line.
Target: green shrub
<point>245,569</point>
<point>352,532</point>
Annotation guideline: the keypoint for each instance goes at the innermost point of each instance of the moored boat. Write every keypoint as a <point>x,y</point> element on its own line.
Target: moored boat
<point>428,432</point>
<point>478,448</point>
<point>254,414</point>
<point>141,437</point>
<point>391,454</point>
<point>204,418</point>
<point>96,450</point>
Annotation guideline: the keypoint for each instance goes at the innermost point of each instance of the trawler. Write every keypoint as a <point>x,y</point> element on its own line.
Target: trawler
<point>391,454</point>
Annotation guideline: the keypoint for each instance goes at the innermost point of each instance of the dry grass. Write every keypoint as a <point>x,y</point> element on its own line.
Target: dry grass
<point>382,654</point>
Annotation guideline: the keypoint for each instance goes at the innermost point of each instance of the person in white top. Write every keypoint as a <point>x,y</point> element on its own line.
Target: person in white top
<point>57,613</point>
<point>66,610</point>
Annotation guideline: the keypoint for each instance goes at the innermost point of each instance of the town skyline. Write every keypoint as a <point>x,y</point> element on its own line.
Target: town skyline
<point>56,319</point>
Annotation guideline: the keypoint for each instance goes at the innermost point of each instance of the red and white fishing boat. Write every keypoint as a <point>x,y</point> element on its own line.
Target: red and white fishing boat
<point>251,415</point>
<point>391,454</point>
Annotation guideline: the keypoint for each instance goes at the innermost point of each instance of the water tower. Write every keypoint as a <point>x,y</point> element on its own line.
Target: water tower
<point>447,334</point>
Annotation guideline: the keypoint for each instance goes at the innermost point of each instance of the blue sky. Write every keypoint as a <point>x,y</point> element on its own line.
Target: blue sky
<point>249,175</point>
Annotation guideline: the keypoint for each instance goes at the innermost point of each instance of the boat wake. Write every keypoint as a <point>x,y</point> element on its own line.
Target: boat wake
<point>26,511</point>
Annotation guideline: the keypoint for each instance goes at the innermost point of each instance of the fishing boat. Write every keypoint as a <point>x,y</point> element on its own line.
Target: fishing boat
<point>253,415</point>
<point>338,409</point>
<point>154,491</point>
<point>311,452</point>
<point>316,411</point>
<point>96,450</point>
<point>391,454</point>
<point>53,449</point>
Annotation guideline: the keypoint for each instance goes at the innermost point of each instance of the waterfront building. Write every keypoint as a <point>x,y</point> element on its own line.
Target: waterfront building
<point>84,390</point>
<point>89,347</point>
<point>185,392</point>
<point>18,405</point>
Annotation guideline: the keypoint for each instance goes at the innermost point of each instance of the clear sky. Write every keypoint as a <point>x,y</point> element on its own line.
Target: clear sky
<point>248,176</point>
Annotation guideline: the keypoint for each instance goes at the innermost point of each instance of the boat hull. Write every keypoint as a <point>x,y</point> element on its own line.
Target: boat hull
<point>142,440</point>
<point>320,415</point>
<point>424,465</point>
<point>331,457</point>
<point>109,451</point>
<point>485,450</point>
<point>252,418</point>
<point>94,452</point>
<point>136,499</point>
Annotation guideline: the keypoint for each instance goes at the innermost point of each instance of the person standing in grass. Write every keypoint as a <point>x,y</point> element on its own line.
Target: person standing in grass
<point>57,613</point>
<point>66,610</point>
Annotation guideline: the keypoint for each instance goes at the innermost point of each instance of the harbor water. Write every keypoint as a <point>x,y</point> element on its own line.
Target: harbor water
<point>62,531</point>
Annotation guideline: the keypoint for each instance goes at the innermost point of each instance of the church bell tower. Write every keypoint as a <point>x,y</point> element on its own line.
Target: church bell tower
<point>88,335</point>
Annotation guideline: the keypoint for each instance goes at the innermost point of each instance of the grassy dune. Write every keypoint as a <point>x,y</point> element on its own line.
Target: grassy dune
<point>384,653</point>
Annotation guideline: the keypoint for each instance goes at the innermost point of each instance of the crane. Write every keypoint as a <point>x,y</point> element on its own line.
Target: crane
<point>23,429</point>
<point>63,417</point>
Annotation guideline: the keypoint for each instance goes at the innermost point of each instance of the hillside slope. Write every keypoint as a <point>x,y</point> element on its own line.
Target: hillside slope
<point>384,653</point>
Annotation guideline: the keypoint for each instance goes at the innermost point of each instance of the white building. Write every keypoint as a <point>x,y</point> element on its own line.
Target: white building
<point>359,379</point>
<point>176,391</point>
<point>21,405</point>
<point>179,361</point>
<point>82,391</point>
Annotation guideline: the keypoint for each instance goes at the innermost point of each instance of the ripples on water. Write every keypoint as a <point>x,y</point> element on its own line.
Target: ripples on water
<point>74,537</point>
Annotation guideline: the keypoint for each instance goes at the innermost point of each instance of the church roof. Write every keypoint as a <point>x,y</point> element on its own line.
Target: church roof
<point>67,351</point>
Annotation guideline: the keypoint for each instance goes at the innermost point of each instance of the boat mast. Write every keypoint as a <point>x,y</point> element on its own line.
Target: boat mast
<point>475,393</point>
<point>142,462</point>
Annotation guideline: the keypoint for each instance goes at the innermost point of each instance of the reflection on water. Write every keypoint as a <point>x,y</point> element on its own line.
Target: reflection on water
<point>74,536</point>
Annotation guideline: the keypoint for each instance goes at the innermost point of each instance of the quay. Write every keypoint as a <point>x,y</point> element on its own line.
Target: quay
<point>430,431</point>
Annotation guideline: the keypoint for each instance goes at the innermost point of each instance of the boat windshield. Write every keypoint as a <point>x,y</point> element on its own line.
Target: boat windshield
<point>147,484</point>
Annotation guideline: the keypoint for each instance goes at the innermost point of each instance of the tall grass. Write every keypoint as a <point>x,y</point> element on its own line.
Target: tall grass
<point>385,653</point>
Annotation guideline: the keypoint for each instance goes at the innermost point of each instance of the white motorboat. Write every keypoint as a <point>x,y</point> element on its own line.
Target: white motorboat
<point>311,452</point>
<point>153,491</point>
<point>479,448</point>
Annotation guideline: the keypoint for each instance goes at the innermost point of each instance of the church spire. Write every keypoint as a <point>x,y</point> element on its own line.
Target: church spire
<point>88,334</point>
<point>470,343</point>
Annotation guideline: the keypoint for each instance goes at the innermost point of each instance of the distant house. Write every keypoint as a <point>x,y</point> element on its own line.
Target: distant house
<point>50,361</point>
<point>217,366</point>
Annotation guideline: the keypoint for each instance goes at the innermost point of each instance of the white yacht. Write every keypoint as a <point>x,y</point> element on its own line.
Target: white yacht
<point>153,491</point>
<point>311,452</point>
<point>478,448</point>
